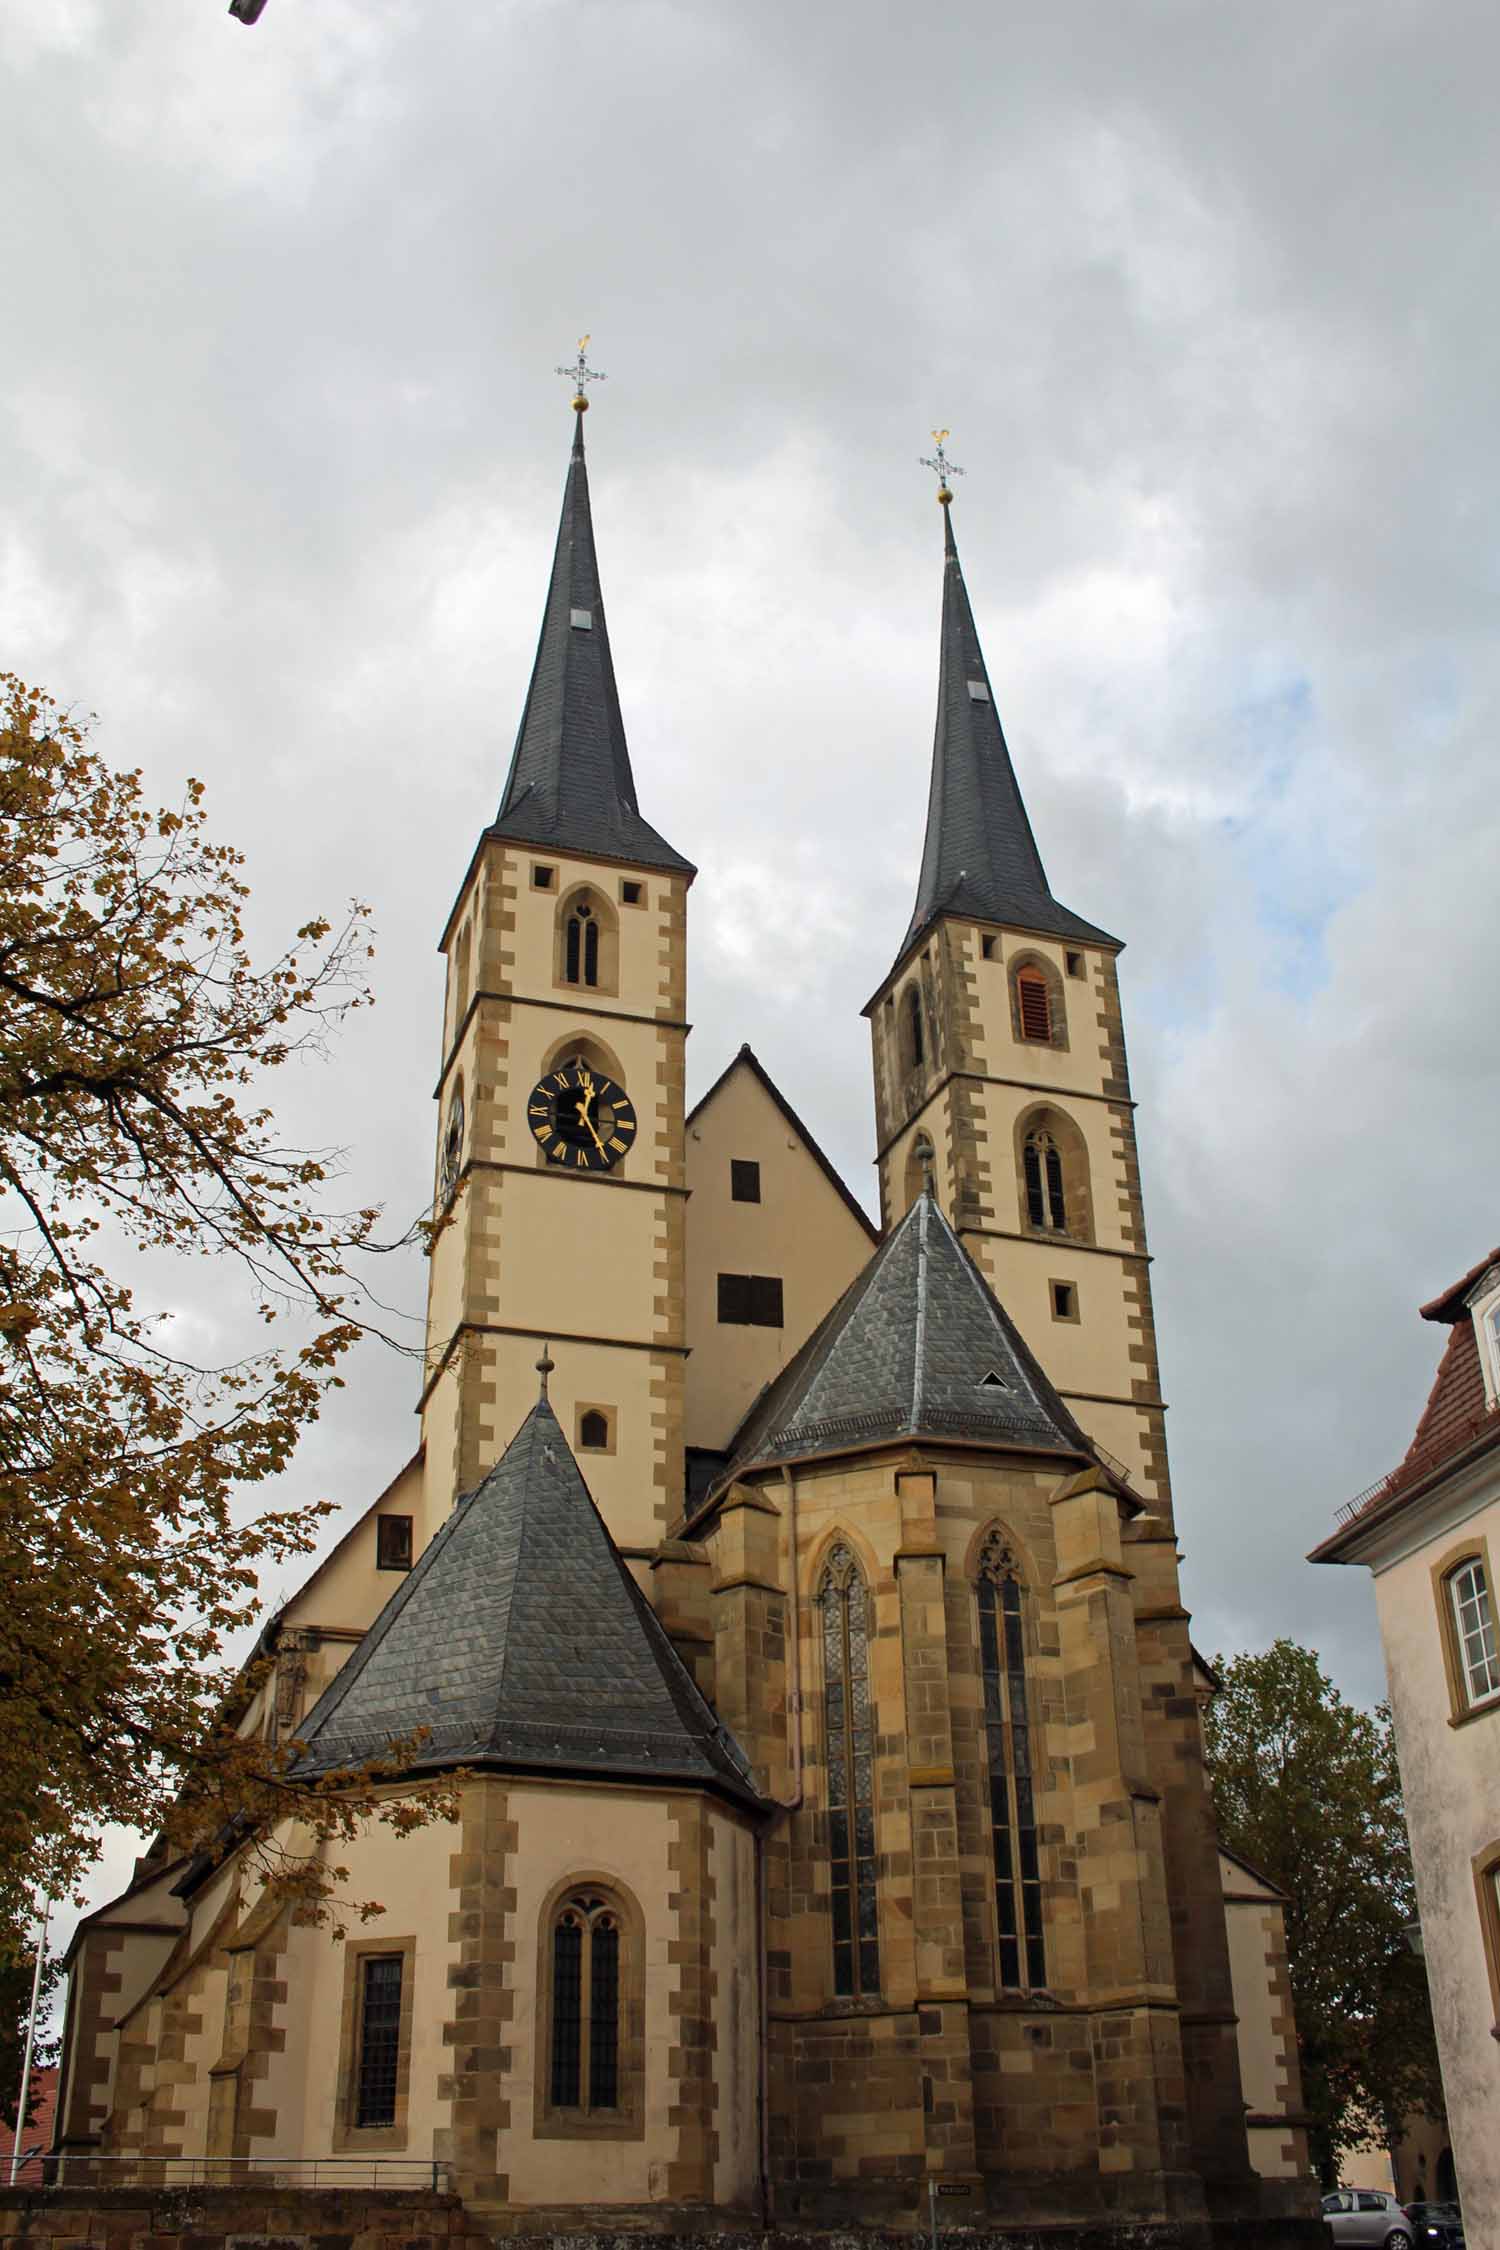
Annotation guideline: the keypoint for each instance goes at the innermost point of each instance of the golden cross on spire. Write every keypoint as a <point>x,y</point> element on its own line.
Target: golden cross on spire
<point>941,466</point>
<point>580,375</point>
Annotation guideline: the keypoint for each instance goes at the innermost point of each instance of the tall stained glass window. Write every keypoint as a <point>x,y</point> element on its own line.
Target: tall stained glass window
<point>586,2004</point>
<point>849,1741</point>
<point>1012,1805</point>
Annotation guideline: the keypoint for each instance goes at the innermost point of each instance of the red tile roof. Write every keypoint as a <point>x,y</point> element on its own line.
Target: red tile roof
<point>1456,1401</point>
<point>38,2133</point>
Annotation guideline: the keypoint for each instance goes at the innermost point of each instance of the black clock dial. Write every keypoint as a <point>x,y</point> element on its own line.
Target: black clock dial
<point>581,1120</point>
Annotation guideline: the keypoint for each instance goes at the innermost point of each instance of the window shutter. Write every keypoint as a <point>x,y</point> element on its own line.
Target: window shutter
<point>1034,1004</point>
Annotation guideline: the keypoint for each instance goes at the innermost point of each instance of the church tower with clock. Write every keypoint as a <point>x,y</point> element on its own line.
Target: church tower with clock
<point>560,1177</point>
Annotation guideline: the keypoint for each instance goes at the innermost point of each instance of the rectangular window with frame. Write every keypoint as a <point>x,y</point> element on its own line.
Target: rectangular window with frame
<point>1474,1631</point>
<point>379,2039</point>
<point>393,1542</point>
<point>750,1300</point>
<point>744,1180</point>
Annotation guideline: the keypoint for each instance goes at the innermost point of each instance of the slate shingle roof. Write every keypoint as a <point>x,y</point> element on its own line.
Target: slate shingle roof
<point>521,1640</point>
<point>980,857</point>
<point>917,1346</point>
<point>570,786</point>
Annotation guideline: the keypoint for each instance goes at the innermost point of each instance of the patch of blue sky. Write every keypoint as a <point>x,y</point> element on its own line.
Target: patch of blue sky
<point>1290,848</point>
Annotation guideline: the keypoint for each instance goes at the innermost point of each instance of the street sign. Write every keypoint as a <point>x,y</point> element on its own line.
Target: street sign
<point>952,2187</point>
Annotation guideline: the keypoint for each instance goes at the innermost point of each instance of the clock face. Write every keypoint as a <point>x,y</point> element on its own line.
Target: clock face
<point>453,1141</point>
<point>582,1121</point>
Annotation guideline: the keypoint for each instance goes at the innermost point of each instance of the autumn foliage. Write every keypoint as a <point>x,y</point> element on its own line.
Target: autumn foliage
<point>136,1032</point>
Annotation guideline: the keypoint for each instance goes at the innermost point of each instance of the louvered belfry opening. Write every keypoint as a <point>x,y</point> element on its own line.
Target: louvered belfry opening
<point>586,2004</point>
<point>849,1745</point>
<point>1002,1659</point>
<point>1034,1004</point>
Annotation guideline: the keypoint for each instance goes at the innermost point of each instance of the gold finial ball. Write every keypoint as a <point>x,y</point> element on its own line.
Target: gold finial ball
<point>580,404</point>
<point>944,496</point>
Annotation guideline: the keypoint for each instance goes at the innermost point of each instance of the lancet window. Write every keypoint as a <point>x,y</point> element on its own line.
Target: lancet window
<point>581,945</point>
<point>1012,1796</point>
<point>849,1744</point>
<point>1046,1202</point>
<point>585,2067</point>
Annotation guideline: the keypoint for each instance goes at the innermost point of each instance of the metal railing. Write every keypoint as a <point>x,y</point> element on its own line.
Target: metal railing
<point>1417,1465</point>
<point>399,2174</point>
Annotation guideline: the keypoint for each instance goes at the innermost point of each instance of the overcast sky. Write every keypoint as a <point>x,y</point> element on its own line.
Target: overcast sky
<point>1207,296</point>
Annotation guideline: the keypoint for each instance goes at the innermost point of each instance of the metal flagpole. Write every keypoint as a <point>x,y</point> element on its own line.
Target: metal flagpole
<point>36,1993</point>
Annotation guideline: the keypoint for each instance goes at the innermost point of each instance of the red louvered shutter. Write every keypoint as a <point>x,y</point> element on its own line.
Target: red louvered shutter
<point>1036,1012</point>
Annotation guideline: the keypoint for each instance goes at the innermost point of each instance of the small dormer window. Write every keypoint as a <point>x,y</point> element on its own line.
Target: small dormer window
<point>979,691</point>
<point>581,620</point>
<point>992,1382</point>
<point>1485,1312</point>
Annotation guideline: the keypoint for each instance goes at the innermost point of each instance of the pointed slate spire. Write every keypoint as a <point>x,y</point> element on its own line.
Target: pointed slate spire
<point>918,1346</point>
<point>570,786</point>
<point>980,857</point>
<point>520,1640</point>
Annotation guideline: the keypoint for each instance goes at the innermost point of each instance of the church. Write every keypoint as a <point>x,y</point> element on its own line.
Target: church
<point>798,1601</point>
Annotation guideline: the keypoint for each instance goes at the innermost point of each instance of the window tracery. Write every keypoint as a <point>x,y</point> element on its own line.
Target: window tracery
<point>585,2062</point>
<point>1022,1956</point>
<point>849,1746</point>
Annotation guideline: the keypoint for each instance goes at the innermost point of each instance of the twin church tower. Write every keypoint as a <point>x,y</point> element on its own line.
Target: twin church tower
<point>798,1600</point>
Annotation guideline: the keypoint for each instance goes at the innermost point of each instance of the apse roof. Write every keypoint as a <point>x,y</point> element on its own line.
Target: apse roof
<point>520,1640</point>
<point>917,1346</point>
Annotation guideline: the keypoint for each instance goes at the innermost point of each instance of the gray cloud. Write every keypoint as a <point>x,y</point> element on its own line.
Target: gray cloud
<point>1207,298</point>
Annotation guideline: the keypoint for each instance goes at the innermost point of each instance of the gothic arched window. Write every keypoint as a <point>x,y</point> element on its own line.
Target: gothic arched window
<point>849,1746</point>
<point>581,944</point>
<point>1007,1729</point>
<point>1046,1203</point>
<point>585,2063</point>
<point>913,1035</point>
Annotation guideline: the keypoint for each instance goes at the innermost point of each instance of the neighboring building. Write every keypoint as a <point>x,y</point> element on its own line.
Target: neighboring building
<point>1429,1532</point>
<point>837,1820</point>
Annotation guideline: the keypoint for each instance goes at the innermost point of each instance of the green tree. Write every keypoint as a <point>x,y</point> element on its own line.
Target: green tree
<point>136,1030</point>
<point>1306,1787</point>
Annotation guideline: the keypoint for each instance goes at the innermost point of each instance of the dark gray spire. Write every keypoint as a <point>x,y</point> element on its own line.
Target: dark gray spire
<point>520,1640</point>
<point>918,1346</point>
<point>570,786</point>
<point>980,858</point>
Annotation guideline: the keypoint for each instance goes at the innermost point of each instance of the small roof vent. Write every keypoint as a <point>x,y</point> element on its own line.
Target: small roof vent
<point>992,1382</point>
<point>581,620</point>
<point>979,691</point>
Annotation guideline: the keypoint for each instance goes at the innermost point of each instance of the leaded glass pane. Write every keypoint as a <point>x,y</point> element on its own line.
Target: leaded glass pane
<point>850,1747</point>
<point>379,2039</point>
<point>567,2011</point>
<point>604,2016</point>
<point>1002,1660</point>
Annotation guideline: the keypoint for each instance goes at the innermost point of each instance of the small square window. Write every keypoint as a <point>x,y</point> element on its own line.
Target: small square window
<point>542,877</point>
<point>632,894</point>
<point>581,620</point>
<point>1064,1300</point>
<point>595,1430</point>
<point>750,1300</point>
<point>990,948</point>
<point>1075,964</point>
<point>393,1542</point>
<point>978,692</point>
<point>744,1180</point>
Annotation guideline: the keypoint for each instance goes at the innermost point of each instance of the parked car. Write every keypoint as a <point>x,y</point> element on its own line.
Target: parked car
<point>1364,2215</point>
<point>1437,2226</point>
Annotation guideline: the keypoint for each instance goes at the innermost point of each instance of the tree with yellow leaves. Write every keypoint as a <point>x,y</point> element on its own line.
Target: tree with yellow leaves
<point>135,1029</point>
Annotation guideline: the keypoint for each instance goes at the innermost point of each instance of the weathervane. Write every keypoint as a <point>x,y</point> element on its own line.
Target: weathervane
<point>941,466</point>
<point>580,375</point>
